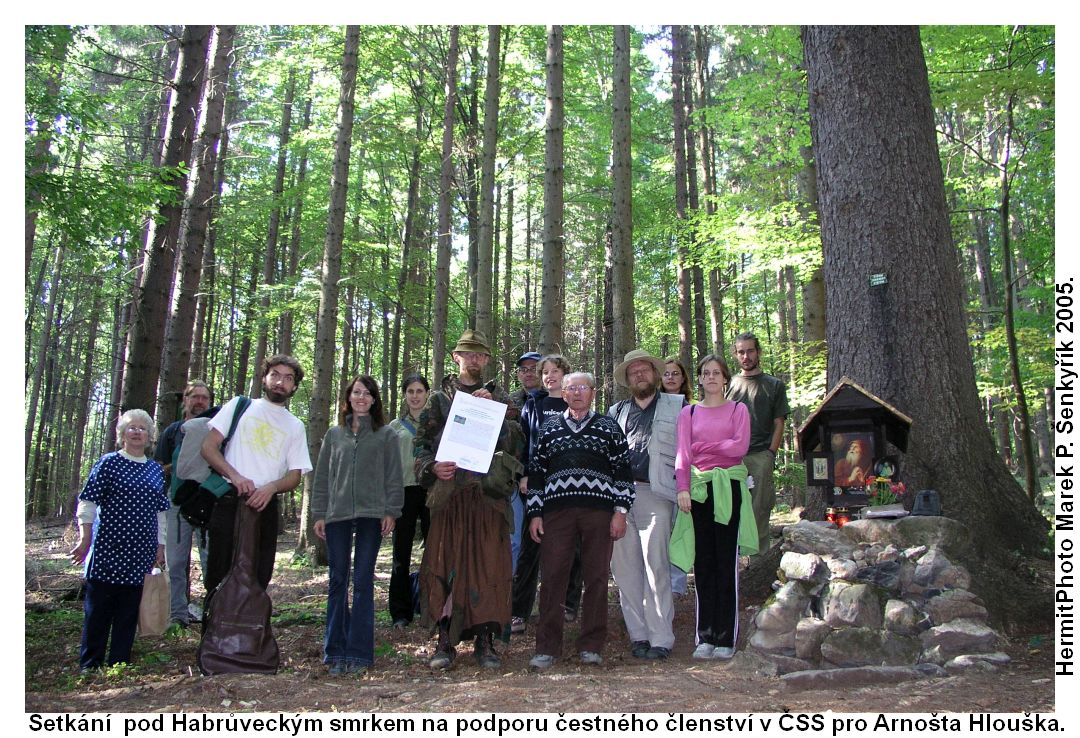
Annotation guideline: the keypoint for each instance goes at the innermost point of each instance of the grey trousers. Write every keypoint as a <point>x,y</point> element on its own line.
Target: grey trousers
<point>642,569</point>
<point>178,535</point>
<point>763,496</point>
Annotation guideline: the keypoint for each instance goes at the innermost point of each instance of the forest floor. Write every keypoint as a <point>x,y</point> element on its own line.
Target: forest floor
<point>163,676</point>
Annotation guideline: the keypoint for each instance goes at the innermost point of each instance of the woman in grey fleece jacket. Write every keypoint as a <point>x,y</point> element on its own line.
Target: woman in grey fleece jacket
<point>356,497</point>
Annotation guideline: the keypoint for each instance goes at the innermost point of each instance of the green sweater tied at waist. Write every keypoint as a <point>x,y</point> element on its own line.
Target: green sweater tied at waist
<point>681,547</point>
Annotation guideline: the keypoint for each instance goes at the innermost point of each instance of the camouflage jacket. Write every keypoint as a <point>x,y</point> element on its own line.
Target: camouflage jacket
<point>433,418</point>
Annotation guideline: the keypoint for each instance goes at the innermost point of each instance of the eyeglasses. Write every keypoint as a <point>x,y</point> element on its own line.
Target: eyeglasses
<point>577,388</point>
<point>136,429</point>
<point>526,370</point>
<point>673,375</point>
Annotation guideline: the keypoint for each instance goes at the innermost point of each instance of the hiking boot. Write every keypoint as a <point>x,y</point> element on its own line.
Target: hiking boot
<point>484,652</point>
<point>517,625</point>
<point>442,658</point>
<point>336,668</point>
<point>638,649</point>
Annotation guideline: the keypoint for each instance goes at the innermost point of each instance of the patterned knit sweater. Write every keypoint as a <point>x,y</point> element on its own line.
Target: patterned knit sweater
<point>580,466</point>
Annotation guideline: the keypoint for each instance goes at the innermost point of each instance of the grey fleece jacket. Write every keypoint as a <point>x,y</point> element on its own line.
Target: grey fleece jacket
<point>358,475</point>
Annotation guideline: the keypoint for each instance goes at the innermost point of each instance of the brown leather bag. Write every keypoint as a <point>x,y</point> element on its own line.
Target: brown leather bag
<point>237,638</point>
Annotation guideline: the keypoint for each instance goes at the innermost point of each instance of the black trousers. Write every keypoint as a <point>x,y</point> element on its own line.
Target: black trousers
<point>716,571</point>
<point>415,510</point>
<point>108,608</point>
<point>523,594</point>
<point>220,533</point>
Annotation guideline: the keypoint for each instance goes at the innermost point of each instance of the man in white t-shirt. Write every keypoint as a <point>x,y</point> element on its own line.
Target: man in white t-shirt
<point>266,455</point>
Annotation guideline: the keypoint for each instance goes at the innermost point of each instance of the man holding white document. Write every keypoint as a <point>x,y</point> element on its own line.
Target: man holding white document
<point>466,449</point>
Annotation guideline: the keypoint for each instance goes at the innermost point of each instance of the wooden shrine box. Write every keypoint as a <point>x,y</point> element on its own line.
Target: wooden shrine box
<point>849,437</point>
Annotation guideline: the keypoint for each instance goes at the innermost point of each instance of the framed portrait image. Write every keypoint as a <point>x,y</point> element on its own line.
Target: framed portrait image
<point>887,467</point>
<point>819,469</point>
<point>852,458</point>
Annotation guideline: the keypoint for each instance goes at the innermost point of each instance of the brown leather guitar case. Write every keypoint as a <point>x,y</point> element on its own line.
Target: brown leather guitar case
<point>237,638</point>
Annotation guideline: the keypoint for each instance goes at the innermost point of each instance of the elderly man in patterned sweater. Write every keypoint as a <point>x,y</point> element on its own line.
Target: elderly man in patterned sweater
<point>580,489</point>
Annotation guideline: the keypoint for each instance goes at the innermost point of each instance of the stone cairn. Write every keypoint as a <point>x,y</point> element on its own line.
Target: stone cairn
<point>876,600</point>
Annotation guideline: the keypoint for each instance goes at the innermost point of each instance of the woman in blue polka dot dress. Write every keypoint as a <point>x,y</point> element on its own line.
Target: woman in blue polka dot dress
<point>121,517</point>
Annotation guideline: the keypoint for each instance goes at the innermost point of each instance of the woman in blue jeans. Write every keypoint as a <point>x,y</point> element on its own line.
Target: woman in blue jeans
<point>356,497</point>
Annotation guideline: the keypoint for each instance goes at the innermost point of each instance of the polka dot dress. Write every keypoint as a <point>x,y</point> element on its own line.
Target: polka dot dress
<point>129,495</point>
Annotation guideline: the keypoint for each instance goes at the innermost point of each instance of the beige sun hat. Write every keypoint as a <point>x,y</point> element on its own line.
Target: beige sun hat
<point>637,355</point>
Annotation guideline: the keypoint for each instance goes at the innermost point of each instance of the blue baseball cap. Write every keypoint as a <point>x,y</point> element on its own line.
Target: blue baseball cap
<point>528,356</point>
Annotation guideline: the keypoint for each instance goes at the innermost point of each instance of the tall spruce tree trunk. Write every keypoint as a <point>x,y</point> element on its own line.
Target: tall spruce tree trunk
<point>270,255</point>
<point>194,225</point>
<point>152,301</point>
<point>443,249</point>
<point>682,249</point>
<point>323,379</point>
<point>52,68</point>
<point>883,211</point>
<point>484,276</point>
<point>552,290</point>
<point>623,327</point>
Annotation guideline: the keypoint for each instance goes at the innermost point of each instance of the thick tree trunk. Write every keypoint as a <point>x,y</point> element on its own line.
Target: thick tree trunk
<point>552,290</point>
<point>446,174</point>
<point>152,302</point>
<point>323,374</point>
<point>883,211</point>
<point>622,215</point>
<point>193,227</point>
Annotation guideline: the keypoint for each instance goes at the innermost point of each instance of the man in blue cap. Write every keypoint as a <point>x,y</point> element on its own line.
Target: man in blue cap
<point>530,380</point>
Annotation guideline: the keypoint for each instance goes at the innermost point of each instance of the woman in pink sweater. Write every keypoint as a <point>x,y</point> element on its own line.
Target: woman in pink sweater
<point>713,436</point>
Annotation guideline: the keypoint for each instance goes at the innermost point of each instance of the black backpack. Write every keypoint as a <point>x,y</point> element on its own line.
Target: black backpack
<point>195,487</point>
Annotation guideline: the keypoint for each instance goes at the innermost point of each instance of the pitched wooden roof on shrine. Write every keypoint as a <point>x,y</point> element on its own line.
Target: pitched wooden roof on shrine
<point>847,401</point>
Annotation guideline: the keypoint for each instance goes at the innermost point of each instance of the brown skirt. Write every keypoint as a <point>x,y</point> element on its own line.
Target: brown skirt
<point>465,575</point>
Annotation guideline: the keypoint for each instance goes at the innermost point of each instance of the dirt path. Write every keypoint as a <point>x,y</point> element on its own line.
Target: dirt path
<point>164,679</point>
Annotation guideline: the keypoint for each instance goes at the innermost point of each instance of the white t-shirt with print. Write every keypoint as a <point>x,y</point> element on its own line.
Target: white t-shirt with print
<point>268,443</point>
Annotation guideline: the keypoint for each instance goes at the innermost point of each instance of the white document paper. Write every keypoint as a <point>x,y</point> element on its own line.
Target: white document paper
<point>471,432</point>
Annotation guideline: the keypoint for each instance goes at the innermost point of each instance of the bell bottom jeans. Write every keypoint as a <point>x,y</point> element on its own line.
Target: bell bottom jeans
<point>350,635</point>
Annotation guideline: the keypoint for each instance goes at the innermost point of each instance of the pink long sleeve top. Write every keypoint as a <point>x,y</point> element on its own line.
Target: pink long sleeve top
<point>721,437</point>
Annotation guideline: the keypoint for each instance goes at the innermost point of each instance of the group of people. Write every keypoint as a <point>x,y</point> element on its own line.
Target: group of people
<point>656,486</point>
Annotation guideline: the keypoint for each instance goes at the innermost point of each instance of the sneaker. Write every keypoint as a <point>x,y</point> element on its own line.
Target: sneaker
<point>442,659</point>
<point>542,661</point>
<point>703,651</point>
<point>517,625</point>
<point>723,652</point>
<point>336,668</point>
<point>195,613</point>
<point>401,624</point>
<point>591,657</point>
<point>638,649</point>
<point>657,653</point>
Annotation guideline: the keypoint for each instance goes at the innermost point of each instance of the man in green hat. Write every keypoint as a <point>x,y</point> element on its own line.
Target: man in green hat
<point>465,575</point>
